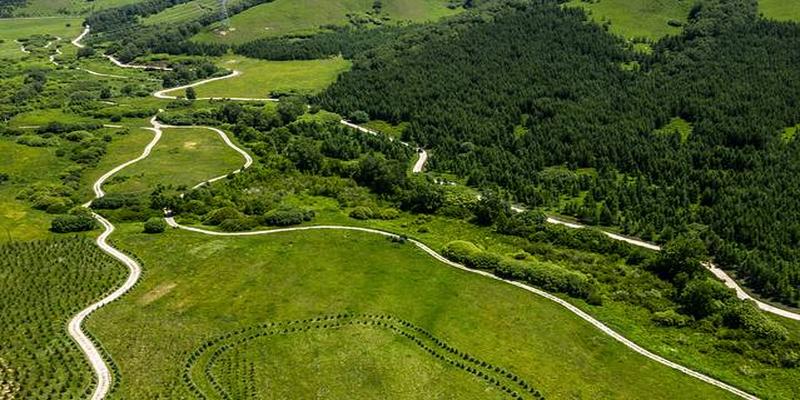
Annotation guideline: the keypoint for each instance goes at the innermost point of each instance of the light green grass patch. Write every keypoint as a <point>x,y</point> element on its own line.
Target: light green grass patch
<point>187,12</point>
<point>45,116</point>
<point>676,125</point>
<point>260,78</point>
<point>395,131</point>
<point>13,29</point>
<point>789,133</point>
<point>638,18</point>
<point>183,157</point>
<point>781,10</point>
<point>197,287</point>
<point>293,17</point>
<point>25,166</point>
<point>50,8</point>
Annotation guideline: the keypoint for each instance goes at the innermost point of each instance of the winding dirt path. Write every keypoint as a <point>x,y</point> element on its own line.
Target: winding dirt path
<point>575,310</point>
<point>77,43</point>
<point>162,94</point>
<point>718,272</point>
<point>102,371</point>
<point>75,326</point>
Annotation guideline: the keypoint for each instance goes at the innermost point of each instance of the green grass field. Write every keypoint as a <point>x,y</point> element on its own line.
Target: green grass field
<point>260,78</point>
<point>25,165</point>
<point>197,287</point>
<point>781,10</point>
<point>638,18</point>
<point>186,12</point>
<point>49,8</point>
<point>12,29</point>
<point>182,157</point>
<point>291,17</point>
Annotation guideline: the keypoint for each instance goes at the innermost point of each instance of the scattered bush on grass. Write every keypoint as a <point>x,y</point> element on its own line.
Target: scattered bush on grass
<point>155,225</point>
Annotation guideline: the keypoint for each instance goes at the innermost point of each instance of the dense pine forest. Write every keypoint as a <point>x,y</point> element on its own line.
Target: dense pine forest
<point>504,97</point>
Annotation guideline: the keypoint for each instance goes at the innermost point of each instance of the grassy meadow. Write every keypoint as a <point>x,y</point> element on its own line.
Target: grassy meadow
<point>781,10</point>
<point>183,157</point>
<point>25,166</point>
<point>260,78</point>
<point>197,287</point>
<point>13,29</point>
<point>638,18</point>
<point>296,17</point>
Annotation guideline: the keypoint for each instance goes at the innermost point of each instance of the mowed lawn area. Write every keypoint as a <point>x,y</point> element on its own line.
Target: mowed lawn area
<point>291,17</point>
<point>197,287</point>
<point>259,78</point>
<point>781,10</point>
<point>13,29</point>
<point>638,18</point>
<point>183,157</point>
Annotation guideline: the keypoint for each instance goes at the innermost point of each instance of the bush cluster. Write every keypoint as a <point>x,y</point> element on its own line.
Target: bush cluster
<point>545,275</point>
<point>364,213</point>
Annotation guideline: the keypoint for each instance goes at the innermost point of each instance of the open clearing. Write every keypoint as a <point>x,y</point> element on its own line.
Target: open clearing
<point>13,29</point>
<point>223,284</point>
<point>25,165</point>
<point>294,17</point>
<point>260,78</point>
<point>781,10</point>
<point>638,18</point>
<point>182,157</point>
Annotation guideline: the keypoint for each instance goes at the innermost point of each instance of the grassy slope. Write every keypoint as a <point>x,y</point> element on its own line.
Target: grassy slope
<point>25,165</point>
<point>638,18</point>
<point>42,8</point>
<point>182,157</point>
<point>12,29</point>
<point>197,286</point>
<point>186,12</point>
<point>259,78</point>
<point>285,366</point>
<point>283,17</point>
<point>781,10</point>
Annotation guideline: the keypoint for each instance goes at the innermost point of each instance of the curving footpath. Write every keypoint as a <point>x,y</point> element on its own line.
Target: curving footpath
<point>162,94</point>
<point>575,310</point>
<point>77,43</point>
<point>75,328</point>
<point>102,371</point>
<point>711,267</point>
<point>423,158</point>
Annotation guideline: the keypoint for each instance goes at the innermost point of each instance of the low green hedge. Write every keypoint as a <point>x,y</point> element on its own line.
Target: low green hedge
<point>547,276</point>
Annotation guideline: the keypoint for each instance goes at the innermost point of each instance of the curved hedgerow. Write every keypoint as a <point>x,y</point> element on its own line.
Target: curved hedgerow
<point>201,362</point>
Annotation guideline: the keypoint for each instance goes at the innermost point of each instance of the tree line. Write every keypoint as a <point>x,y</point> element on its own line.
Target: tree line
<point>504,100</point>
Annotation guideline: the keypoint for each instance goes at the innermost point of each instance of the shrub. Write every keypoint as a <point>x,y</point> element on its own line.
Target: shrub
<point>359,117</point>
<point>286,216</point>
<point>221,214</point>
<point>545,275</point>
<point>114,201</point>
<point>237,224</point>
<point>387,214</point>
<point>670,318</point>
<point>155,225</point>
<point>362,213</point>
<point>745,315</point>
<point>73,223</point>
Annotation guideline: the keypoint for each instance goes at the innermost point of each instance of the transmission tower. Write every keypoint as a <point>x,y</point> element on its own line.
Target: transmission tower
<point>225,20</point>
